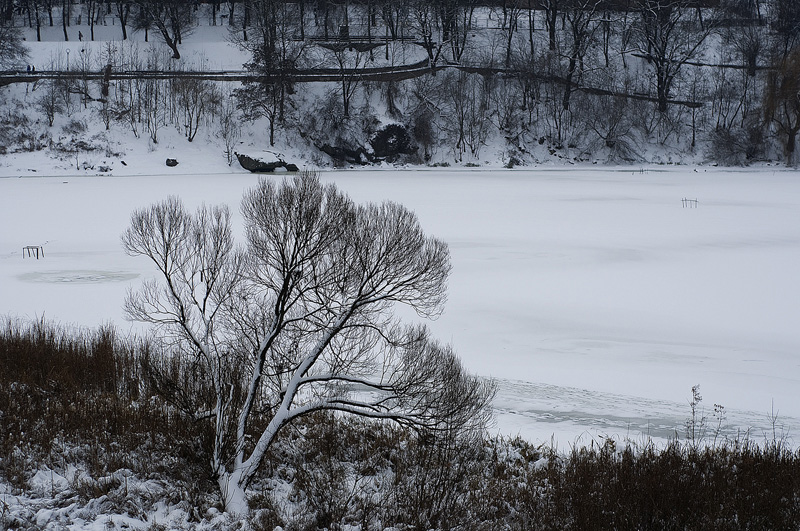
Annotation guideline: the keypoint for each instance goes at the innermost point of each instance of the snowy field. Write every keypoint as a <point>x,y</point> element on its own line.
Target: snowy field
<point>593,296</point>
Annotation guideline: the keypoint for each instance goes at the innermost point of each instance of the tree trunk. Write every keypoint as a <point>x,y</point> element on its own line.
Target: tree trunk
<point>511,27</point>
<point>751,64</point>
<point>234,497</point>
<point>345,100</point>
<point>568,84</point>
<point>552,17</point>
<point>531,28</point>
<point>272,131</point>
<point>662,89</point>
<point>606,36</point>
<point>245,20</point>
<point>302,20</point>
<point>123,11</point>
<point>64,17</point>
<point>791,143</point>
<point>326,20</point>
<point>174,47</point>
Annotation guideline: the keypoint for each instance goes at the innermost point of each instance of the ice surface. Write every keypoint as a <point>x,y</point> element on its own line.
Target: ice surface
<point>592,295</point>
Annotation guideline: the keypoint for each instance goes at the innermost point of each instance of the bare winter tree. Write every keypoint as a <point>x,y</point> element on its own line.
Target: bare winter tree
<point>172,18</point>
<point>276,55</point>
<point>33,13</point>
<point>510,13</point>
<point>425,21</point>
<point>785,22</point>
<point>395,17</point>
<point>670,34</point>
<point>92,10</point>
<point>467,114</point>
<point>123,11</point>
<point>49,102</point>
<point>782,102</point>
<point>11,47</point>
<point>301,319</point>
<point>551,19</point>
<point>350,62</point>
<point>579,16</point>
<point>229,128</point>
<point>197,99</point>
<point>456,20</point>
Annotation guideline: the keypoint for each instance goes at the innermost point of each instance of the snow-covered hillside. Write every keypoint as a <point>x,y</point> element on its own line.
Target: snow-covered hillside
<point>501,101</point>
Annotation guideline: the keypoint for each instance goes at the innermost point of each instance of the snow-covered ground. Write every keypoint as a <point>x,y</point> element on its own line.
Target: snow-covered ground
<point>593,296</point>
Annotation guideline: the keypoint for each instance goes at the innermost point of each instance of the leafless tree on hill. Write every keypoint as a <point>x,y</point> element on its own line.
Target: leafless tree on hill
<point>172,18</point>
<point>301,319</point>
<point>670,34</point>
<point>11,47</point>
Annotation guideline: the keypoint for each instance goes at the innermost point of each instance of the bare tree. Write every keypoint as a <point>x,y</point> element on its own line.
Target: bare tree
<point>93,8</point>
<point>511,10</point>
<point>33,9</point>
<point>467,115</point>
<point>782,101</point>
<point>275,57</point>
<point>395,16</point>
<point>123,8</point>
<point>172,18</point>
<point>262,98</point>
<point>505,97</point>
<point>551,19</point>
<point>786,25</point>
<point>455,17</point>
<point>49,102</point>
<point>229,128</point>
<point>350,61</point>
<point>668,40</point>
<point>11,47</point>
<point>301,319</point>
<point>197,98</point>
<point>579,16</point>
<point>425,21</point>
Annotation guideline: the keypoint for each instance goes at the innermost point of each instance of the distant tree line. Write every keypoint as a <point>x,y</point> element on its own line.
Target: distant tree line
<point>584,78</point>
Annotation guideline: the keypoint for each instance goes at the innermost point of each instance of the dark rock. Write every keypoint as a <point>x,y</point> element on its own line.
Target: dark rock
<point>257,165</point>
<point>347,155</point>
<point>124,163</point>
<point>172,163</point>
<point>391,142</point>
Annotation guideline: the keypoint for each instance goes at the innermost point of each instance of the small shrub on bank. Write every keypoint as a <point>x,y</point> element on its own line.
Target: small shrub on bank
<point>79,397</point>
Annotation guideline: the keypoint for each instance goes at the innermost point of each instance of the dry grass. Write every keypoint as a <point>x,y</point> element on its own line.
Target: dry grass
<point>84,398</point>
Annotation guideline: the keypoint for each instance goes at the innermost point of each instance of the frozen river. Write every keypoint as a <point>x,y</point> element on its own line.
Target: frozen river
<point>596,297</point>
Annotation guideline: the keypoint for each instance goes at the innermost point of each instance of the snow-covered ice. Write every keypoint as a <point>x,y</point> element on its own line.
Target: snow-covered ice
<point>593,296</point>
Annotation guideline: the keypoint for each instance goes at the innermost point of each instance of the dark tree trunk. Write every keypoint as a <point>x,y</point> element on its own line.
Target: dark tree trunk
<point>64,19</point>
<point>551,13</point>
<point>302,6</point>
<point>124,11</point>
<point>573,63</point>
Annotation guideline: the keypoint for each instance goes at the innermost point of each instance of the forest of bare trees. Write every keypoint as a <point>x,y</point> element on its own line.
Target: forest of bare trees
<point>599,80</point>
